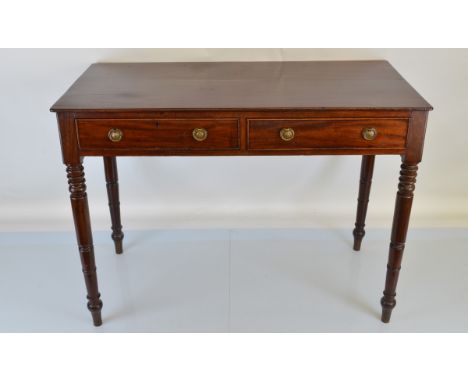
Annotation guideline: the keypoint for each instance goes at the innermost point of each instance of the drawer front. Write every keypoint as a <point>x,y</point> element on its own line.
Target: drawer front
<point>300,134</point>
<point>160,134</point>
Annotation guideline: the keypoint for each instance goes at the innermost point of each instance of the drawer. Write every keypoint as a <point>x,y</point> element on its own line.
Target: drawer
<point>300,134</point>
<point>174,134</point>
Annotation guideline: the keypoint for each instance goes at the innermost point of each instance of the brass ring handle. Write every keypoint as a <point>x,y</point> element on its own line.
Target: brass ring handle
<point>115,135</point>
<point>199,134</point>
<point>369,133</point>
<point>287,134</point>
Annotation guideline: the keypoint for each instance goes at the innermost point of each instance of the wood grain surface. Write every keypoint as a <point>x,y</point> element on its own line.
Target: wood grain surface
<point>241,85</point>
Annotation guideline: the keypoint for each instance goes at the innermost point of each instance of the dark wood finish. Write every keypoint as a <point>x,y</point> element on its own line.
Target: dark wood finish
<point>404,200</point>
<point>80,209</point>
<point>242,107</point>
<point>242,117</point>
<point>241,85</point>
<point>264,134</point>
<point>161,134</point>
<point>79,202</point>
<point>112,184</point>
<point>365,182</point>
<point>401,216</point>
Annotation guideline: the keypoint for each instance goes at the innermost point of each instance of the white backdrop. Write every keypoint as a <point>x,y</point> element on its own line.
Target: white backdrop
<point>227,192</point>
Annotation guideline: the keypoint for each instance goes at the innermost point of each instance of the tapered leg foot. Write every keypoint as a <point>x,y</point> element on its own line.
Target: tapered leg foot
<point>112,183</point>
<point>367,170</point>
<point>79,203</point>
<point>386,314</point>
<point>97,320</point>
<point>357,241</point>
<point>96,313</point>
<point>404,201</point>
<point>118,246</point>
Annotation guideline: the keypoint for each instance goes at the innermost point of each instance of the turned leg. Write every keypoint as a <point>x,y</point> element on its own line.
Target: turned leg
<point>367,169</point>
<point>79,203</point>
<point>112,180</point>
<point>404,200</point>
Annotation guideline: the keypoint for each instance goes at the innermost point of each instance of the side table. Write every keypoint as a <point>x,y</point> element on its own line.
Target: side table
<point>241,108</point>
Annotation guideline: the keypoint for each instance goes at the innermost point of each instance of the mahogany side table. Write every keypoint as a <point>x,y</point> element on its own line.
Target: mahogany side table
<point>241,108</point>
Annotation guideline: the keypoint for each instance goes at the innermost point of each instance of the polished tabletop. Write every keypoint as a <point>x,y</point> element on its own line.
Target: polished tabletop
<point>241,85</point>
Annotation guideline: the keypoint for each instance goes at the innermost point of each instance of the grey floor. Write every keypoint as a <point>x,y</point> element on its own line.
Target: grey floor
<point>246,280</point>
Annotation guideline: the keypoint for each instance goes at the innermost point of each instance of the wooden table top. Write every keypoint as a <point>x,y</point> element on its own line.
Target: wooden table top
<point>241,85</point>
